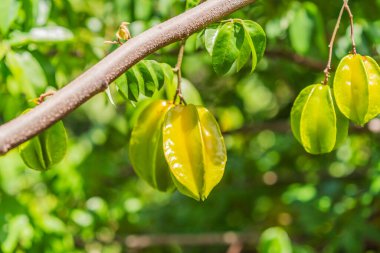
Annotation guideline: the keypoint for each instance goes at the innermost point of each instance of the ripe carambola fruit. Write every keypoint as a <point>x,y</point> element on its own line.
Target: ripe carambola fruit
<point>194,149</point>
<point>315,120</point>
<point>357,88</point>
<point>46,149</point>
<point>145,149</point>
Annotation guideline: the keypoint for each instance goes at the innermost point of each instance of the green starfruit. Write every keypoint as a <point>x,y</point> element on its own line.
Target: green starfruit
<point>194,149</point>
<point>46,149</point>
<point>145,149</point>
<point>357,88</point>
<point>315,120</point>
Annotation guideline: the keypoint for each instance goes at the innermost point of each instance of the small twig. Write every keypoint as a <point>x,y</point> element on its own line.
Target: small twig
<point>42,97</point>
<point>347,8</point>
<point>351,25</point>
<point>331,45</point>
<point>177,70</point>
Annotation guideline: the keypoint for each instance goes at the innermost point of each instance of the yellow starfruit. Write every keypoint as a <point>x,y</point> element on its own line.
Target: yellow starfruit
<point>315,120</point>
<point>194,149</point>
<point>357,88</point>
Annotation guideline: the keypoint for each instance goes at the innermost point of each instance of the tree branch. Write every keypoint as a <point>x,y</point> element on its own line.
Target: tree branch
<point>299,59</point>
<point>97,78</point>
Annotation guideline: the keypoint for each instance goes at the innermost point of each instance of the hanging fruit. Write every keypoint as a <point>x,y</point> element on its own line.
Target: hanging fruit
<point>315,120</point>
<point>194,149</point>
<point>357,88</point>
<point>145,149</point>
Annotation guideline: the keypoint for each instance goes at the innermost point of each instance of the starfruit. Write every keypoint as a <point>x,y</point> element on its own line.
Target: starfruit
<point>315,120</point>
<point>145,149</point>
<point>357,88</point>
<point>46,149</point>
<point>194,149</point>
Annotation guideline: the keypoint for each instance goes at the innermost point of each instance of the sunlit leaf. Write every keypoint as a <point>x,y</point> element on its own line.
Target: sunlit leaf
<point>8,10</point>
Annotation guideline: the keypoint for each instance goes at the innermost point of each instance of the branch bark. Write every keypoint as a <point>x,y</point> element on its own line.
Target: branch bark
<point>97,78</point>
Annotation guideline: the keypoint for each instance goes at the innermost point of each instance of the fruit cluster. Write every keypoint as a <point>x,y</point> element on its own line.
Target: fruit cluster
<point>316,117</point>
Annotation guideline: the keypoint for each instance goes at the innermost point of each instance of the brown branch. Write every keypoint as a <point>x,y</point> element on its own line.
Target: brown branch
<point>298,59</point>
<point>97,78</point>
<point>227,238</point>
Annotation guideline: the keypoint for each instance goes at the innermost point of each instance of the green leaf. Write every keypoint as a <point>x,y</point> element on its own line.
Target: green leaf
<point>225,50</point>
<point>27,71</point>
<point>150,82</point>
<point>258,37</point>
<point>145,149</point>
<point>46,149</point>
<point>41,35</point>
<point>192,3</point>
<point>275,239</point>
<point>8,10</point>
<point>134,83</point>
<point>209,36</point>
<point>301,30</point>
<point>245,47</point>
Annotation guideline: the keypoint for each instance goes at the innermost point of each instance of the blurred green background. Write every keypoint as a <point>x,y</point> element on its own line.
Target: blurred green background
<point>92,201</point>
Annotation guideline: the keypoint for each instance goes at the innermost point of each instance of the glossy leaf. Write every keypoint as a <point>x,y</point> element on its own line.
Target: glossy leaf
<point>27,72</point>
<point>357,87</point>
<point>145,149</point>
<point>314,120</point>
<point>146,77</point>
<point>210,34</point>
<point>150,82</point>
<point>301,30</point>
<point>258,37</point>
<point>245,46</point>
<point>8,10</point>
<point>194,149</point>
<point>46,149</point>
<point>225,51</point>
<point>275,239</point>
<point>192,3</point>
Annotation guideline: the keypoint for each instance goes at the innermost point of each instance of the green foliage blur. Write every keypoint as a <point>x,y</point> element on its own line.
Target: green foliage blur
<point>92,200</point>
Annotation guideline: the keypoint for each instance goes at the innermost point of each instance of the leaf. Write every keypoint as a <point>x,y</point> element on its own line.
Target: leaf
<point>301,30</point>
<point>46,149</point>
<point>225,51</point>
<point>133,84</point>
<point>145,149</point>
<point>350,87</point>
<point>245,47</point>
<point>258,37</point>
<point>275,239</point>
<point>149,77</point>
<point>27,71</point>
<point>194,149</point>
<point>210,34</point>
<point>318,32</point>
<point>192,3</point>
<point>8,10</point>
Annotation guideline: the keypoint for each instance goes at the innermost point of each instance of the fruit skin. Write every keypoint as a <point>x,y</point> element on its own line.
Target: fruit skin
<point>46,149</point>
<point>357,88</point>
<point>315,120</point>
<point>145,149</point>
<point>194,149</point>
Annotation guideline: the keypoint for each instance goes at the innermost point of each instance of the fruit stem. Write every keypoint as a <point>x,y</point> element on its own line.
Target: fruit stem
<point>178,71</point>
<point>331,45</point>
<point>351,25</point>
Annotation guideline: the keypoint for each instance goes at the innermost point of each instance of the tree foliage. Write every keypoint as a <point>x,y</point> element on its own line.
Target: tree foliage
<point>92,200</point>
